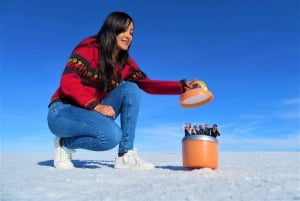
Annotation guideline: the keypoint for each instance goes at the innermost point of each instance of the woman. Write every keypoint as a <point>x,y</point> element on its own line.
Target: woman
<point>100,82</point>
<point>215,131</point>
<point>188,129</point>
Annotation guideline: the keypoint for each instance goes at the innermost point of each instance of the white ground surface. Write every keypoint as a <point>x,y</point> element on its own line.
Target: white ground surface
<point>241,176</point>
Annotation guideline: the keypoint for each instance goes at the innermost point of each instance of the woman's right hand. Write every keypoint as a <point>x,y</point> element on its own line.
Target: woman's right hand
<point>190,85</point>
<point>106,110</point>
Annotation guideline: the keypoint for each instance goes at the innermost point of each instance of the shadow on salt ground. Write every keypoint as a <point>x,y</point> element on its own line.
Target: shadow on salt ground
<point>90,164</point>
<point>181,168</point>
<point>174,168</point>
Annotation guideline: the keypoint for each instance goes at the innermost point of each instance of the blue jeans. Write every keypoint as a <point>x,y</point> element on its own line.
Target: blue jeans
<point>85,129</point>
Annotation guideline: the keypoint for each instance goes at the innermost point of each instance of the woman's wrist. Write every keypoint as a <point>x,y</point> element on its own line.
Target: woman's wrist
<point>183,85</point>
<point>97,107</point>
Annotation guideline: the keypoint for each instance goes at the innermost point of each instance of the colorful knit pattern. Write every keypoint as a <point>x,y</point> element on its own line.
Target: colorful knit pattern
<point>136,75</point>
<point>77,64</point>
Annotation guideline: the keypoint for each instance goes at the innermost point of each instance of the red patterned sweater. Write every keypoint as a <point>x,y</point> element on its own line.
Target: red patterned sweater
<point>78,81</point>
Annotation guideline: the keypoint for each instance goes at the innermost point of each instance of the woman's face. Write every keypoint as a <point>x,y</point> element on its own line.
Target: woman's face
<point>124,38</point>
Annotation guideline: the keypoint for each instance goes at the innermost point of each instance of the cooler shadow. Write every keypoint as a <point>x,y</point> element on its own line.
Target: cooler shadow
<point>89,164</point>
<point>178,168</point>
<point>171,167</point>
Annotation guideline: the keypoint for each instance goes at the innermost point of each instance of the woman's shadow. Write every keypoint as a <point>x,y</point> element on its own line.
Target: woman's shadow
<point>90,164</point>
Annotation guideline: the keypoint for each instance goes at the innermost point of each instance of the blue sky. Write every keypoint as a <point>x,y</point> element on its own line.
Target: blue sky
<point>247,52</point>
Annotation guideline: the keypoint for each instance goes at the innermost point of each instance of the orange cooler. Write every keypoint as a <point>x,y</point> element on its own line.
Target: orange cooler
<point>200,151</point>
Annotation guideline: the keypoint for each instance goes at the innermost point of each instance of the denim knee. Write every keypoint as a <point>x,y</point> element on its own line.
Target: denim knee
<point>132,92</point>
<point>110,140</point>
<point>131,86</point>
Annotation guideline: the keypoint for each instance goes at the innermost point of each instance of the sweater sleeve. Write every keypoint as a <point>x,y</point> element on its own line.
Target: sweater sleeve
<point>153,86</point>
<point>77,82</point>
<point>160,87</point>
<point>82,95</point>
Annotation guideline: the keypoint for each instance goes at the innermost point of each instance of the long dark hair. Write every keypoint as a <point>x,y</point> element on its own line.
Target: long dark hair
<point>114,24</point>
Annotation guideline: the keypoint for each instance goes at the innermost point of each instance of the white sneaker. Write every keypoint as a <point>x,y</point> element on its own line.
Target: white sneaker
<point>130,160</point>
<point>62,156</point>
